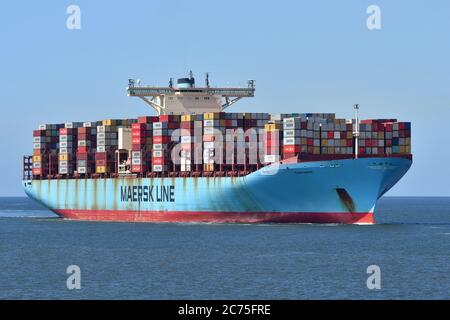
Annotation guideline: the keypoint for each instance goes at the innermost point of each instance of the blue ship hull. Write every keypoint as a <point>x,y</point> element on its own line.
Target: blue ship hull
<point>333,191</point>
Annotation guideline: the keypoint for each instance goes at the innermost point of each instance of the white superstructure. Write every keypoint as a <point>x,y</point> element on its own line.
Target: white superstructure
<point>185,98</point>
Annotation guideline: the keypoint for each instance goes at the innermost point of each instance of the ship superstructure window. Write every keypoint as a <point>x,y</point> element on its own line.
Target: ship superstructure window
<point>206,98</point>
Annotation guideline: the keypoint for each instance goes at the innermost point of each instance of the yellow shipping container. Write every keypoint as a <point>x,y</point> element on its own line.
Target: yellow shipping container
<point>187,117</point>
<point>37,158</point>
<point>402,149</point>
<point>316,150</point>
<point>208,167</point>
<point>100,169</point>
<point>343,143</point>
<point>107,122</point>
<point>324,142</point>
<point>211,116</point>
<point>408,141</point>
<point>349,135</point>
<point>272,126</point>
<point>408,149</point>
<point>63,157</point>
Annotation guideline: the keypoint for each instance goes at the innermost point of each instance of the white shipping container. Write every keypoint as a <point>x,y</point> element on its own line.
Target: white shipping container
<point>40,145</point>
<point>159,168</point>
<point>44,127</point>
<point>157,153</point>
<point>73,125</point>
<point>135,154</point>
<point>65,144</point>
<point>271,158</point>
<point>124,138</point>
<point>291,141</point>
<point>188,139</point>
<point>291,133</point>
<point>136,161</point>
<point>84,143</point>
<point>37,164</point>
<point>81,170</point>
<point>185,167</point>
<point>101,148</point>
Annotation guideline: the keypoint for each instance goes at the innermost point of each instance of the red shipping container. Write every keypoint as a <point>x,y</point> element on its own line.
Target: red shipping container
<point>303,125</point>
<point>288,155</point>
<point>291,149</point>
<point>388,127</point>
<point>38,133</point>
<point>66,131</point>
<point>100,156</point>
<point>349,143</point>
<point>374,126</point>
<point>272,143</point>
<point>310,141</point>
<point>161,139</point>
<point>138,133</point>
<point>138,168</point>
<point>272,135</point>
<point>159,160</point>
<point>388,143</point>
<point>330,134</point>
<point>138,140</point>
<point>147,119</point>
<point>82,156</point>
<point>138,126</point>
<point>37,171</point>
<point>138,147</point>
<point>165,118</point>
<point>100,163</point>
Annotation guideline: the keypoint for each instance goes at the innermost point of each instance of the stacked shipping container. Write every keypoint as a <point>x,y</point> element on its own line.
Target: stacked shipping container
<point>45,150</point>
<point>67,148</point>
<point>142,144</point>
<point>220,141</point>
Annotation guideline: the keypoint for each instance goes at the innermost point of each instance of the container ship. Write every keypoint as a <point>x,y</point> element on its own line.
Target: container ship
<point>194,162</point>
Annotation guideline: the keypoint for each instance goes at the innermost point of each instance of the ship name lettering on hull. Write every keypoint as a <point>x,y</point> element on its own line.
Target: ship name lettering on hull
<point>147,193</point>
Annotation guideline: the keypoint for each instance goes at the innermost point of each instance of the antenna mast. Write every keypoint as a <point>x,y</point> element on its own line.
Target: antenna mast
<point>356,132</point>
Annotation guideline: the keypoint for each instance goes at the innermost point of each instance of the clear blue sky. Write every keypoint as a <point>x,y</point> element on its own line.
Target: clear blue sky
<point>306,56</point>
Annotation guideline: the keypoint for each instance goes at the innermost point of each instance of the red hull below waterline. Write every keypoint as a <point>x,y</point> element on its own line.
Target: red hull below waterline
<point>217,217</point>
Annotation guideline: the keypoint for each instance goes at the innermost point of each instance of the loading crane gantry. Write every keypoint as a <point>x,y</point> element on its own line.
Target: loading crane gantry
<point>186,98</point>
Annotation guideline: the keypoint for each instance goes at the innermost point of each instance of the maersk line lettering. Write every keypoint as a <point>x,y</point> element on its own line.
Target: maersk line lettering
<point>147,193</point>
